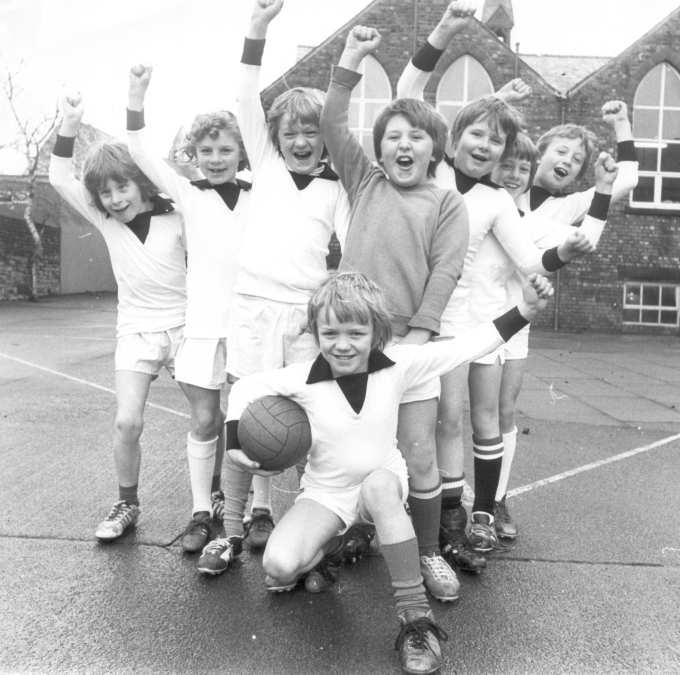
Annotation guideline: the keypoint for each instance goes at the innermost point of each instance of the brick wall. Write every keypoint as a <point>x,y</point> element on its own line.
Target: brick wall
<point>16,250</point>
<point>635,245</point>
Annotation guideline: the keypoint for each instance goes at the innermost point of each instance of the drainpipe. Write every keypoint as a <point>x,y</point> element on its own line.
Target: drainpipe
<point>414,46</point>
<point>564,100</point>
<point>516,70</point>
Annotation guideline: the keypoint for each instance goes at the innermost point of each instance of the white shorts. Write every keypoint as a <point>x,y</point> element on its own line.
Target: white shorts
<point>266,334</point>
<point>517,347</point>
<point>344,502</point>
<point>202,362</point>
<point>423,391</point>
<point>148,352</point>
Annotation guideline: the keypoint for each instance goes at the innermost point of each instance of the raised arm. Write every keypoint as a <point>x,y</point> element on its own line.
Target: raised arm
<point>418,70</point>
<point>249,111</point>
<point>60,173</point>
<point>156,169</point>
<point>346,153</point>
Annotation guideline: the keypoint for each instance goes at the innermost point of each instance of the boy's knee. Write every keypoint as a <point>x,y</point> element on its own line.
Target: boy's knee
<point>450,425</point>
<point>129,425</point>
<point>280,564</point>
<point>381,490</point>
<point>208,423</point>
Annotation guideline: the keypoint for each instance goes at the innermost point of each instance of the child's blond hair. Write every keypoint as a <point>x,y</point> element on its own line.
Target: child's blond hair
<point>570,131</point>
<point>210,124</point>
<point>301,104</point>
<point>351,297</point>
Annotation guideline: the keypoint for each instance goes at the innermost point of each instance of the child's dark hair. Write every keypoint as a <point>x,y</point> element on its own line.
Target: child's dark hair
<point>112,161</point>
<point>210,124</point>
<point>570,131</point>
<point>302,104</point>
<point>422,116</point>
<point>523,148</point>
<point>499,115</point>
<point>353,298</point>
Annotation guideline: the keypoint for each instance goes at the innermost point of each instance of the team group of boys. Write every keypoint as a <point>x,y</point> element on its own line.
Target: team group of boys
<point>220,277</point>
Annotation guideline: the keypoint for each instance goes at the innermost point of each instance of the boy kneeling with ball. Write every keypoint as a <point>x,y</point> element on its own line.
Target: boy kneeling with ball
<point>355,472</point>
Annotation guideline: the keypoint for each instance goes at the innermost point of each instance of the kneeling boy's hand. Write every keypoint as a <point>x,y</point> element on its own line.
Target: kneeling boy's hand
<point>535,296</point>
<point>241,459</point>
<point>140,76</point>
<point>606,170</point>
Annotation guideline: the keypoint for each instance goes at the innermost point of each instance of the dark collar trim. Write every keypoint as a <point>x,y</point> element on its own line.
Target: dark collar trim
<point>465,183</point>
<point>321,370</point>
<point>537,195</point>
<point>204,184</point>
<point>302,180</point>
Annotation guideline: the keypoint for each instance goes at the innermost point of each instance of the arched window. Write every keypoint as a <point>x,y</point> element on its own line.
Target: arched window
<point>465,80</point>
<point>656,129</point>
<point>369,97</point>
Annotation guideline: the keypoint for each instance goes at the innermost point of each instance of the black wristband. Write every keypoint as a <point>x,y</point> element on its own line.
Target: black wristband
<point>625,151</point>
<point>63,146</point>
<point>135,120</point>
<point>232,435</point>
<point>551,261</point>
<point>510,323</point>
<point>599,207</point>
<point>252,52</point>
<point>426,57</point>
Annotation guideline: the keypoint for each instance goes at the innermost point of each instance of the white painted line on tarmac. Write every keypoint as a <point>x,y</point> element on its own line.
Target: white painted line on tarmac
<point>87,383</point>
<point>593,465</point>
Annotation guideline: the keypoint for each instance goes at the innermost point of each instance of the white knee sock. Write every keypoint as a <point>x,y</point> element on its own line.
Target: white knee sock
<point>509,445</point>
<point>262,493</point>
<point>201,456</point>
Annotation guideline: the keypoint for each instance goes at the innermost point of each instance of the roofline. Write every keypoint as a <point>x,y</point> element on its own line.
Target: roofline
<point>568,56</point>
<point>630,47</point>
<point>313,50</point>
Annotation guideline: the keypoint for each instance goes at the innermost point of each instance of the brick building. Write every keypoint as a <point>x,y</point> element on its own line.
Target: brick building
<point>75,257</point>
<point>633,282</point>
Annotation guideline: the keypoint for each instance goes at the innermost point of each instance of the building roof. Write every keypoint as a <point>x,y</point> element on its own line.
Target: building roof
<point>564,72</point>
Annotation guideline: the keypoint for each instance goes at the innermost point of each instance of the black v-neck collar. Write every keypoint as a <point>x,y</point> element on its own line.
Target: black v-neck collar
<point>352,386</point>
<point>141,223</point>
<point>465,183</point>
<point>302,180</point>
<point>229,192</point>
<point>537,195</point>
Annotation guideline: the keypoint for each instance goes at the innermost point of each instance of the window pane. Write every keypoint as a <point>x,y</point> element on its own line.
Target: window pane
<point>668,296</point>
<point>367,144</point>
<point>449,112</point>
<point>479,83</point>
<point>632,294</point>
<point>670,157</point>
<point>650,295</point>
<point>451,85</point>
<point>648,158</point>
<point>377,85</point>
<point>670,190</point>
<point>669,318</point>
<point>372,110</point>
<point>672,93</point>
<point>671,125</point>
<point>644,192</point>
<point>645,123</point>
<point>649,89</point>
<point>650,316</point>
<point>631,316</point>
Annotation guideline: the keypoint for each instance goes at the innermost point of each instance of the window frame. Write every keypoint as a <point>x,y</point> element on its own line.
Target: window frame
<point>363,131</point>
<point>641,307</point>
<point>658,143</point>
